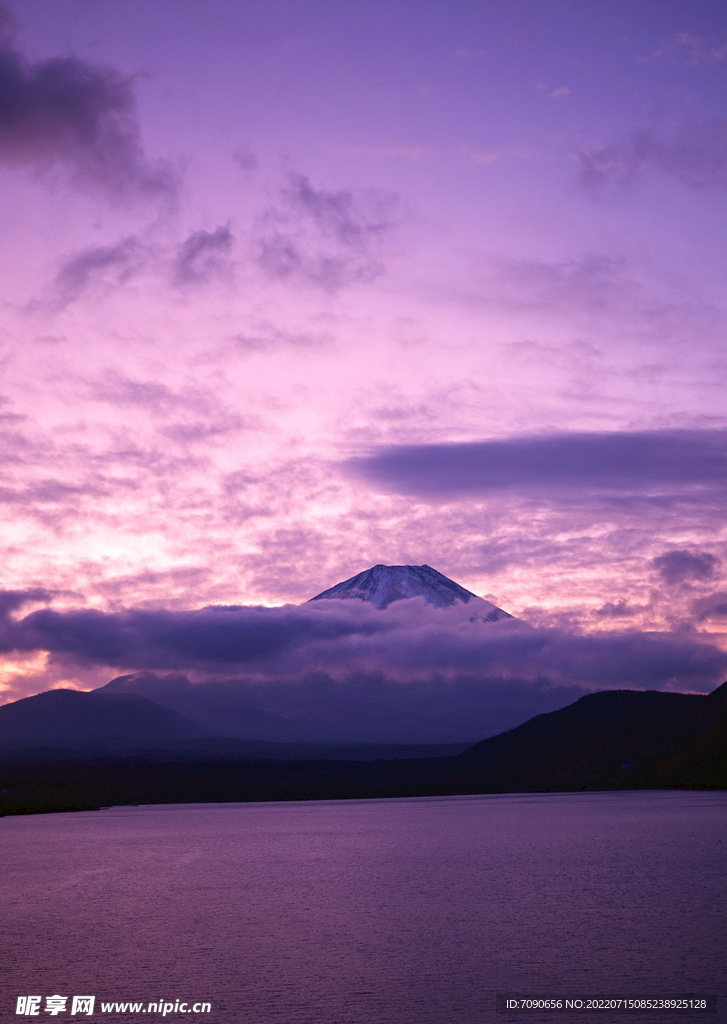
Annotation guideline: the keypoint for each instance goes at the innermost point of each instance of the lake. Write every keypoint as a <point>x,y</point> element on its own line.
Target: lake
<point>407,911</point>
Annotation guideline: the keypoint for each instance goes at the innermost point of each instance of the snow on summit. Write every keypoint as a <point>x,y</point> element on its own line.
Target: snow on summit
<point>383,584</point>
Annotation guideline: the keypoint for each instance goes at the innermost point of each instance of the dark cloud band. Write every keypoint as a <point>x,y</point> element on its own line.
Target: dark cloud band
<point>622,461</point>
<point>408,641</point>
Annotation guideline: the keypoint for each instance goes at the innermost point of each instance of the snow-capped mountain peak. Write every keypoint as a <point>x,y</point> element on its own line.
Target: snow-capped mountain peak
<point>383,584</point>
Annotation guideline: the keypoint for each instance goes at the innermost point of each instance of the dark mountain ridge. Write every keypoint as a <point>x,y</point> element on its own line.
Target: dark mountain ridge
<point>73,719</point>
<point>613,740</point>
<point>65,723</point>
<point>221,709</point>
<point>601,741</point>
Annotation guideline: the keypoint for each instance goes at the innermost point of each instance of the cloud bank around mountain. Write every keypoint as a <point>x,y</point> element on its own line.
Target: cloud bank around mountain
<point>345,670</point>
<point>409,638</point>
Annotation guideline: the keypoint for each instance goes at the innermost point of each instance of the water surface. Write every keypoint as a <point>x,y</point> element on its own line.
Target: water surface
<point>409,911</point>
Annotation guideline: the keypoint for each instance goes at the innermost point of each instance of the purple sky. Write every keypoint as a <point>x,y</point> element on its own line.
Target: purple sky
<point>293,288</point>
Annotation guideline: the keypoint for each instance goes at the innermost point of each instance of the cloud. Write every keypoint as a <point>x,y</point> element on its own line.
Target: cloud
<point>690,50</point>
<point>714,606</point>
<point>695,154</point>
<point>602,297</point>
<point>619,610</point>
<point>463,153</point>
<point>328,239</point>
<point>101,269</point>
<point>165,588</point>
<point>265,336</point>
<point>345,670</point>
<point>593,282</point>
<point>12,600</point>
<point>245,159</point>
<point>681,566</point>
<point>70,112</point>
<point>621,461</point>
<point>203,257</point>
<point>117,389</point>
<point>338,213</point>
<point>188,414</point>
<point>408,641</point>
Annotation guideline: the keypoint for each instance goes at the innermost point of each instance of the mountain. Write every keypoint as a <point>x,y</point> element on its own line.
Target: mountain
<point>383,584</point>
<point>73,720</point>
<point>221,707</point>
<point>607,740</point>
<point>361,710</point>
<point>613,740</point>
<point>702,764</point>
